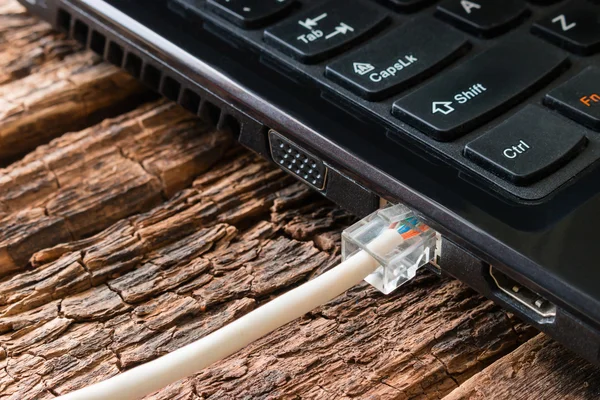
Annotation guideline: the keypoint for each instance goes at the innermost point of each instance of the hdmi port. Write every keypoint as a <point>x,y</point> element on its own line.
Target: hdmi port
<point>527,297</point>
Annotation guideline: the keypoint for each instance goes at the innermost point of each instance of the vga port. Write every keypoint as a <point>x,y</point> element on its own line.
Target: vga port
<point>297,161</point>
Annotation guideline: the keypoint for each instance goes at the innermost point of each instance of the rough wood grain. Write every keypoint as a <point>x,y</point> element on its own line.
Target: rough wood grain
<point>242,233</point>
<point>63,96</point>
<point>85,181</point>
<point>136,236</point>
<point>539,369</point>
<point>27,44</point>
<point>47,89</point>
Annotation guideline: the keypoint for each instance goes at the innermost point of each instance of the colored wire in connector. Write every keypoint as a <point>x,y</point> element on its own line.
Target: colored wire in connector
<point>400,236</point>
<point>400,265</point>
<point>410,227</point>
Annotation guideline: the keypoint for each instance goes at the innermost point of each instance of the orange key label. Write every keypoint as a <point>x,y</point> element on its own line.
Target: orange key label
<point>588,100</point>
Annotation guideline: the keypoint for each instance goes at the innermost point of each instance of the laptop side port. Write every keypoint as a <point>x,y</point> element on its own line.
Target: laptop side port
<point>524,296</point>
<point>580,335</point>
<point>297,161</point>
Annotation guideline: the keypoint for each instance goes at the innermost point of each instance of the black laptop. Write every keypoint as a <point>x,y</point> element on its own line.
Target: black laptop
<point>483,116</point>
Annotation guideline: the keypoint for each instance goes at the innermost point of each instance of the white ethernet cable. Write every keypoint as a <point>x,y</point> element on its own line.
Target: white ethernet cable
<point>387,247</point>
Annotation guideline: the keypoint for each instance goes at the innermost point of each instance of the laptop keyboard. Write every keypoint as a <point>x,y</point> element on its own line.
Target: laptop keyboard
<point>479,89</point>
<point>506,90</point>
<point>325,30</point>
<point>487,18</point>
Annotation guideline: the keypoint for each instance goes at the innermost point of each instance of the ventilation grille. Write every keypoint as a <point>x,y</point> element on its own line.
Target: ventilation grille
<point>148,72</point>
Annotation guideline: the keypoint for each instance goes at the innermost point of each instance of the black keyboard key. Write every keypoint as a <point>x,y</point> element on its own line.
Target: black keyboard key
<point>250,13</point>
<point>486,18</point>
<point>407,5</point>
<point>528,146</point>
<point>579,98</point>
<point>474,92</point>
<point>325,30</point>
<point>399,59</point>
<point>575,27</point>
<point>544,2</point>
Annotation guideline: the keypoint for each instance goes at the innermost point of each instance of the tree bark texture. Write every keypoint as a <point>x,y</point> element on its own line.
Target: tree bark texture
<point>125,239</point>
<point>48,88</point>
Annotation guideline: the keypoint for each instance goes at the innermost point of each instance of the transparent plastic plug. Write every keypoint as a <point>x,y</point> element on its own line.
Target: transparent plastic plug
<point>401,264</point>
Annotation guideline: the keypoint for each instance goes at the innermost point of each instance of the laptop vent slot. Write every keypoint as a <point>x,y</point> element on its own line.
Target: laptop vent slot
<point>170,88</point>
<point>141,67</point>
<point>151,77</point>
<point>63,21</point>
<point>133,65</point>
<point>81,32</point>
<point>115,54</point>
<point>232,125</point>
<point>190,100</point>
<point>210,112</point>
<point>98,43</point>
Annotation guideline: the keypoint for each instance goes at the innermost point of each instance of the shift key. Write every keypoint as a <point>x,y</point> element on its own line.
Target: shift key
<point>473,93</point>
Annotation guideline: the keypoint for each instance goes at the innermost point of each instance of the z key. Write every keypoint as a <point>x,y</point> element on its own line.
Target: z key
<point>575,27</point>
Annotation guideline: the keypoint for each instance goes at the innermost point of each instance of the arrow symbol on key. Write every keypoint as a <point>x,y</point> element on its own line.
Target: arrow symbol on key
<point>444,107</point>
<point>341,28</point>
<point>310,23</point>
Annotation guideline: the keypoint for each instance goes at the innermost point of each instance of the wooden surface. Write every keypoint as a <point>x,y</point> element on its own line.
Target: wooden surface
<point>129,238</point>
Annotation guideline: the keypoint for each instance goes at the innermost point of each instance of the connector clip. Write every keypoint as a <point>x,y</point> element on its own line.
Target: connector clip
<point>401,264</point>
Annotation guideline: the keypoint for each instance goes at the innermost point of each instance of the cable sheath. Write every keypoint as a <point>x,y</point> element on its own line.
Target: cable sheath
<point>192,358</point>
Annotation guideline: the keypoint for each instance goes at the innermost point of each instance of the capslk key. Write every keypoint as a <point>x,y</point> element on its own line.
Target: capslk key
<point>325,30</point>
<point>528,146</point>
<point>476,91</point>
<point>399,59</point>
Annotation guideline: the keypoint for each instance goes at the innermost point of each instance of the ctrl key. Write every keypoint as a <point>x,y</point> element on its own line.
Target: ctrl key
<point>528,146</point>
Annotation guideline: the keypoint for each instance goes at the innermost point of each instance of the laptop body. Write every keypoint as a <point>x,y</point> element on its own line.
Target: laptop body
<point>482,116</point>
